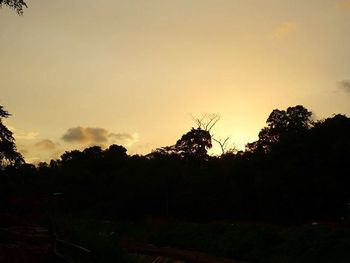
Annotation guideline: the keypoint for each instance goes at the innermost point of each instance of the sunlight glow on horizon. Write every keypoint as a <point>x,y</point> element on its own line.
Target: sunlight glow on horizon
<point>142,67</point>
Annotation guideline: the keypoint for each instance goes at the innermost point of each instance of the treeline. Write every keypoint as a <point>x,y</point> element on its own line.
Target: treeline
<point>297,171</point>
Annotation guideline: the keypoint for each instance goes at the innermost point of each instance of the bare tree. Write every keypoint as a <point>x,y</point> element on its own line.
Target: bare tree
<point>225,146</point>
<point>206,121</point>
<point>223,143</point>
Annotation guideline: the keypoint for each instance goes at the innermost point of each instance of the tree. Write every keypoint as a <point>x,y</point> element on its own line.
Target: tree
<point>295,118</point>
<point>8,151</point>
<point>225,147</point>
<point>195,143</point>
<point>115,152</point>
<point>282,123</point>
<point>14,4</point>
<point>206,121</point>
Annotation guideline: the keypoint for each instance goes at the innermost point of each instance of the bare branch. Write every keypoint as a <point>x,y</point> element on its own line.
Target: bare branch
<point>223,144</point>
<point>214,118</point>
<point>206,121</point>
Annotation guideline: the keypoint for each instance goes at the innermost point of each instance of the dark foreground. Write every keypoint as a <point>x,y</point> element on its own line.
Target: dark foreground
<point>210,242</point>
<point>77,239</point>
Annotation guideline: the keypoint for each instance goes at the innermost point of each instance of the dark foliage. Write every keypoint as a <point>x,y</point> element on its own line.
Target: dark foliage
<point>8,152</point>
<point>193,145</point>
<point>281,124</point>
<point>298,171</point>
<point>17,5</point>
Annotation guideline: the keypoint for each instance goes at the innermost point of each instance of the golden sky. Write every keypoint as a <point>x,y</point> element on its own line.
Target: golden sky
<point>77,73</point>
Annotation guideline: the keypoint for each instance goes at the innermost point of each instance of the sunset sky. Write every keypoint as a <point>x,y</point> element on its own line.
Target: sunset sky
<point>78,73</point>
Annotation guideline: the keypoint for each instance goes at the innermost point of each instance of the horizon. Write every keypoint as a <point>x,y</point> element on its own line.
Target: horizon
<point>132,73</point>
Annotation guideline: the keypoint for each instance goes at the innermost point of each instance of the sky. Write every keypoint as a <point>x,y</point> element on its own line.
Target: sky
<point>80,73</point>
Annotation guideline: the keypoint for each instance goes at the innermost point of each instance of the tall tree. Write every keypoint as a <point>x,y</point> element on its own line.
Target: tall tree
<point>8,152</point>
<point>282,123</point>
<point>17,5</point>
<point>195,143</point>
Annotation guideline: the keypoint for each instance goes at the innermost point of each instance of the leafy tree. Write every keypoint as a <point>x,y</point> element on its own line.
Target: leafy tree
<point>14,4</point>
<point>114,155</point>
<point>282,123</point>
<point>195,143</point>
<point>71,156</point>
<point>8,151</point>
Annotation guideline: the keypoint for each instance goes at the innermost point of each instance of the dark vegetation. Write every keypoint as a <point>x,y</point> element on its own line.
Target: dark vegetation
<point>255,205</point>
<point>17,5</point>
<point>253,242</point>
<point>296,173</point>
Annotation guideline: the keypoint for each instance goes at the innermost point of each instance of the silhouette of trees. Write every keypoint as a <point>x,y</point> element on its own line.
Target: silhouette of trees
<point>195,143</point>
<point>206,121</point>
<point>302,175</point>
<point>224,146</point>
<point>17,5</point>
<point>8,151</point>
<point>192,145</point>
<point>281,124</point>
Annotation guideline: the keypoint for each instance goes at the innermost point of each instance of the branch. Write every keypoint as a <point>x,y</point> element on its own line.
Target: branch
<point>206,121</point>
<point>222,143</point>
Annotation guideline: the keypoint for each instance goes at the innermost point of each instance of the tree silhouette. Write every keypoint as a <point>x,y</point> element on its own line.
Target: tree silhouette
<point>303,175</point>
<point>206,121</point>
<point>224,145</point>
<point>280,124</point>
<point>195,143</point>
<point>14,4</point>
<point>8,151</point>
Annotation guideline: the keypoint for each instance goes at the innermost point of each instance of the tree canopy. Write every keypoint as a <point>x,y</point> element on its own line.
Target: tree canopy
<point>195,143</point>
<point>281,124</point>
<point>298,172</point>
<point>8,151</point>
<point>17,5</point>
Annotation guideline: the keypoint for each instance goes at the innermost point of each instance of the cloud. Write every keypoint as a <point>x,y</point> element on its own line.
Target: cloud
<point>43,150</point>
<point>285,29</point>
<point>46,145</point>
<point>125,139</point>
<point>86,135</point>
<point>345,5</point>
<point>98,136</point>
<point>33,160</point>
<point>22,149</point>
<point>345,85</point>
<point>20,134</point>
